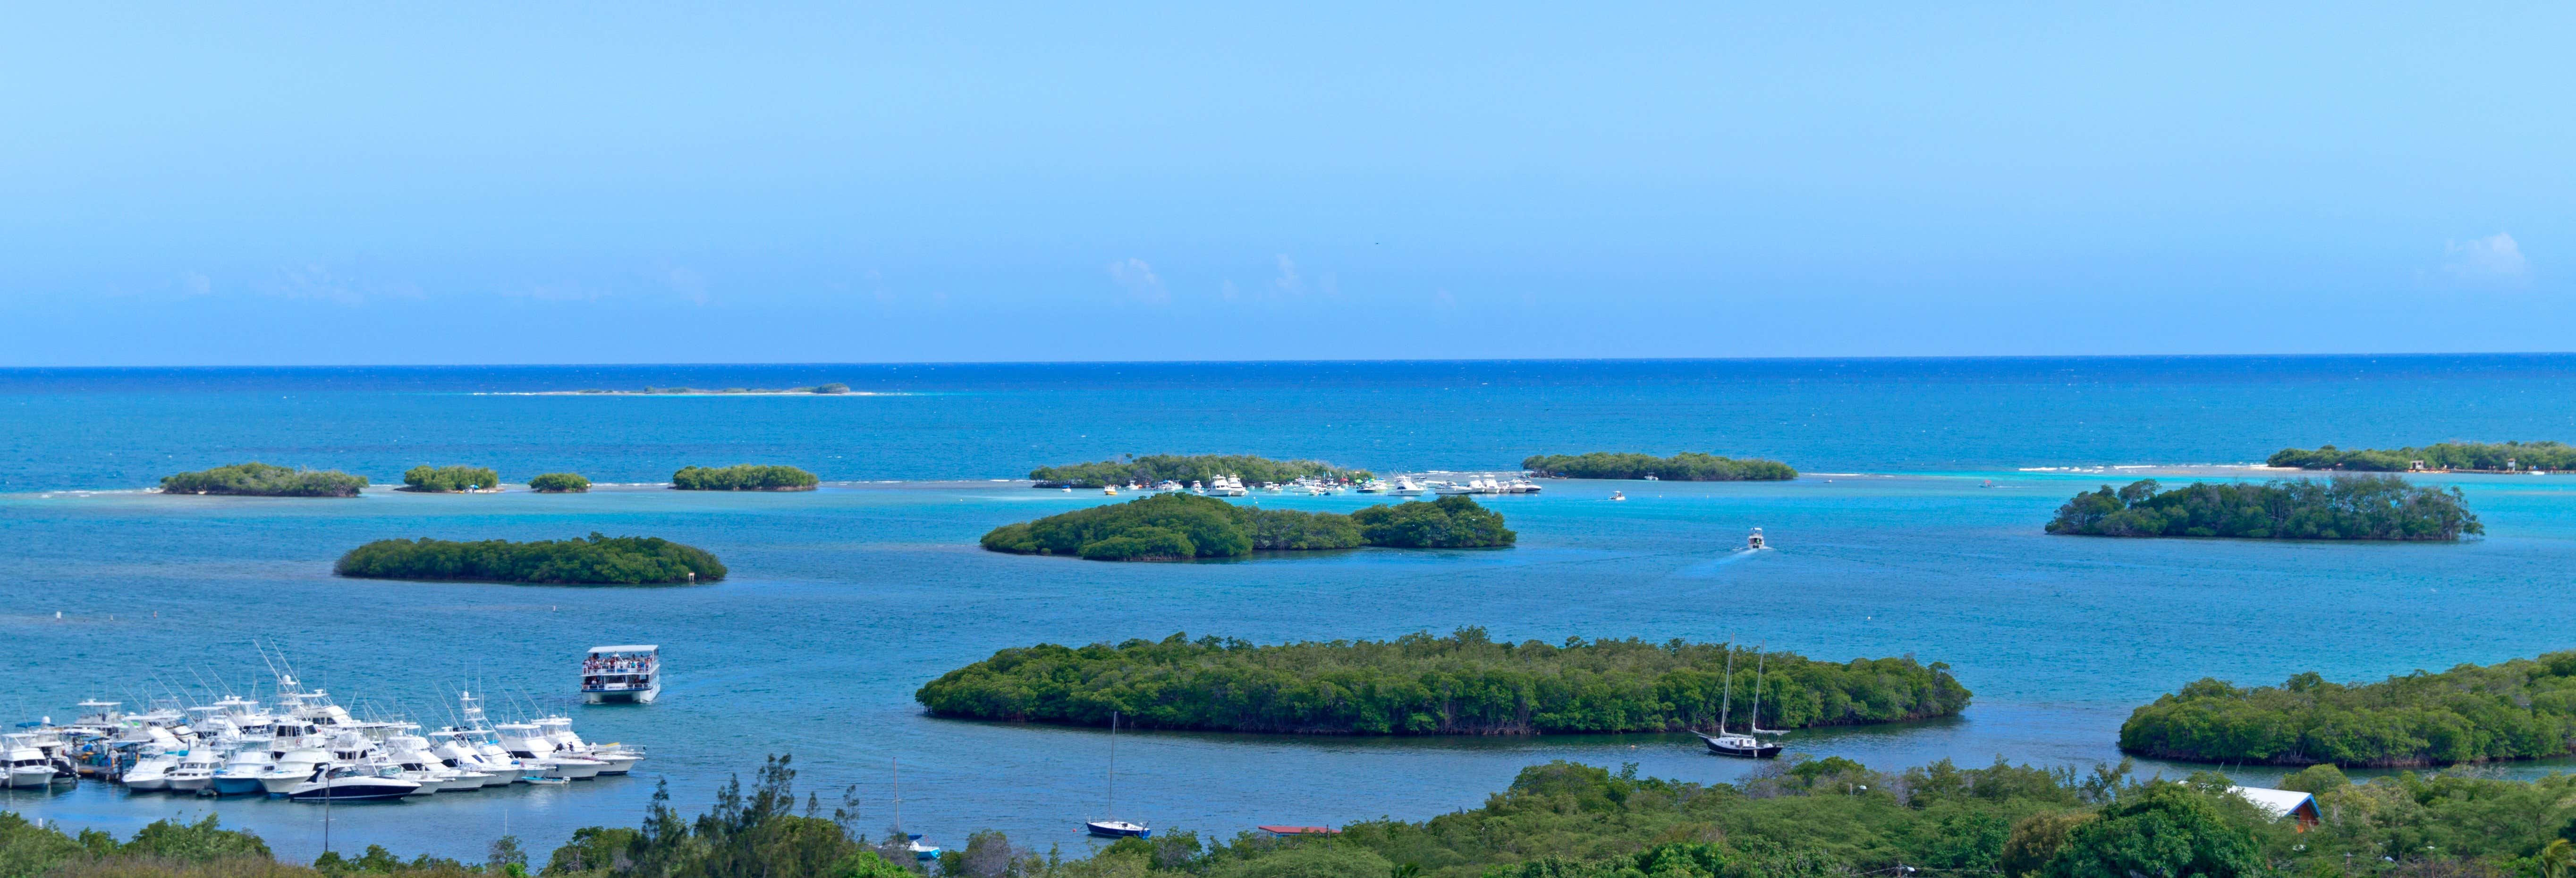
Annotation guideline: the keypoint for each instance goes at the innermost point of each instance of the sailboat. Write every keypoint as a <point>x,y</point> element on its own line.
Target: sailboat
<point>1746,746</point>
<point>911,840</point>
<point>1111,827</point>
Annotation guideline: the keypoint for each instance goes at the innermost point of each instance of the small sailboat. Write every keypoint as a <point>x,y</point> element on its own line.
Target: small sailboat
<point>1754,542</point>
<point>1726,743</point>
<point>911,840</point>
<point>1111,827</point>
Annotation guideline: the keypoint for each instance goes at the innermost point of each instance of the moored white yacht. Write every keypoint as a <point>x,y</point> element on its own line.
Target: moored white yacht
<point>351,783</point>
<point>26,764</point>
<point>195,771</point>
<point>614,758</point>
<point>1404,487</point>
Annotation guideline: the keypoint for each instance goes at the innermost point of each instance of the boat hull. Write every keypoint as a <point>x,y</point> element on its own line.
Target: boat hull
<point>29,779</point>
<point>238,785</point>
<point>1759,751</point>
<point>1115,829</point>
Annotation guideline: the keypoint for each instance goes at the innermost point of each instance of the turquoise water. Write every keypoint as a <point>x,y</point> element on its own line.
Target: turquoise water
<point>843,601</point>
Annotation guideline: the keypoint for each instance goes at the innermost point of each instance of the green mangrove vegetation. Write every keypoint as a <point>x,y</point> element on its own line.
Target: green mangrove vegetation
<point>2520,709</point>
<point>449,479</point>
<point>1187,468</point>
<point>1688,466</point>
<point>2490,456</point>
<point>597,560</point>
<point>2340,508</point>
<point>1796,817</point>
<point>1176,526</point>
<point>559,483</point>
<point>743,477</point>
<point>257,479</point>
<point>832,389</point>
<point>1463,684</point>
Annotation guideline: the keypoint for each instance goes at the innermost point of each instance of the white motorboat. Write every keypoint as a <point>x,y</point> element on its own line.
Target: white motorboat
<point>195,771</point>
<point>1225,486</point>
<point>1404,487</point>
<point>1616,495</point>
<point>616,758</point>
<point>529,744</point>
<point>27,766</point>
<point>1755,540</point>
<point>350,783</point>
<point>629,674</point>
<point>151,772</point>
<point>240,774</point>
<point>1372,486</point>
<point>1522,486</point>
<point>1110,490</point>
<point>1450,489</point>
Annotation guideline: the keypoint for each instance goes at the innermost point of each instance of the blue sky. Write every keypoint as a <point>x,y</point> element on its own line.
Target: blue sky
<point>598,182</point>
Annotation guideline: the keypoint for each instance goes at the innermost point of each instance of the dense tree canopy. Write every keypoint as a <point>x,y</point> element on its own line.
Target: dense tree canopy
<point>1424,685</point>
<point>2439,456</point>
<point>743,477</point>
<point>1186,468</point>
<point>559,483</point>
<point>598,560</point>
<point>1177,526</point>
<point>1688,466</point>
<point>2341,508</point>
<point>444,479</point>
<point>264,480</point>
<point>2520,709</point>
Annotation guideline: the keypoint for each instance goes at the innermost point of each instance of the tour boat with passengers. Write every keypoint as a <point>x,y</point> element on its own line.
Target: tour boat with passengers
<point>622,674</point>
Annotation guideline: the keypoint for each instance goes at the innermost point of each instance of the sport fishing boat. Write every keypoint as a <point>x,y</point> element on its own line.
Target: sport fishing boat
<point>350,783</point>
<point>1754,541</point>
<point>621,674</point>
<point>1405,487</point>
<point>27,767</point>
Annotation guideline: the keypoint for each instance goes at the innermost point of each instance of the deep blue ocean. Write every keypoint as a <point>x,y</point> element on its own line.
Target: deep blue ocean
<point>1916,530</point>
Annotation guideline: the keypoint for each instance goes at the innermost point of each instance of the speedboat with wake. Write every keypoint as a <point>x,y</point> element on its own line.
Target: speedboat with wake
<point>1754,541</point>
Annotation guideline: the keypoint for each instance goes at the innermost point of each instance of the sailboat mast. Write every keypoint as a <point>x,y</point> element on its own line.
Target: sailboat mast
<point>1113,766</point>
<point>897,765</point>
<point>1760,659</point>
<point>1728,703</point>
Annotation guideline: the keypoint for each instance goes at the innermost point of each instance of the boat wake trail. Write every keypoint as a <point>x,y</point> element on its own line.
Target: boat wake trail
<point>1711,566</point>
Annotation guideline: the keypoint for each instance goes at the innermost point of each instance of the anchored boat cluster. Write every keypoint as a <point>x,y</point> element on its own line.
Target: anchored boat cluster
<point>302,747</point>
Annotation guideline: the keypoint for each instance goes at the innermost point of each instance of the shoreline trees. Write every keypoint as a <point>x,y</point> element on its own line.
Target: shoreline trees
<point>1688,466</point>
<point>2341,508</point>
<point>255,479</point>
<point>596,560</point>
<point>1177,526</point>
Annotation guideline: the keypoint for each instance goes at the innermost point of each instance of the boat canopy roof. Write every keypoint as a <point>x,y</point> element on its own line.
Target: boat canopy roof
<point>602,650</point>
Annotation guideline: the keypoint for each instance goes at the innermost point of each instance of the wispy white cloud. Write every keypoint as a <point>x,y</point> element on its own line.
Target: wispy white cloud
<point>2494,259</point>
<point>1229,291</point>
<point>1139,280</point>
<point>1288,282</point>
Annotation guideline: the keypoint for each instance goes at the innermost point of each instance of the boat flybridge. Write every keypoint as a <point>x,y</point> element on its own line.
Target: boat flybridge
<point>1404,487</point>
<point>1749,745</point>
<point>1754,541</point>
<point>621,674</point>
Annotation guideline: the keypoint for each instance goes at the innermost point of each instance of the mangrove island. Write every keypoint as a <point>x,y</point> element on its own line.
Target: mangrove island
<point>1463,684</point>
<point>559,483</point>
<point>1176,527</point>
<point>1185,468</point>
<point>2520,709</point>
<point>2341,508</point>
<point>743,477</point>
<point>257,479</point>
<point>1688,466</point>
<point>449,479</point>
<point>598,560</point>
<point>2440,456</point>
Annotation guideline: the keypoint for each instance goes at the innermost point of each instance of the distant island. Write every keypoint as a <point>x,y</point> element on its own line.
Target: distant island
<point>559,483</point>
<point>2452,456</point>
<point>1688,466</point>
<point>1463,684</point>
<point>2519,709</point>
<point>832,389</point>
<point>1179,527</point>
<point>2342,508</point>
<point>450,479</point>
<point>743,477</point>
<point>1187,468</point>
<point>598,560</point>
<point>257,479</point>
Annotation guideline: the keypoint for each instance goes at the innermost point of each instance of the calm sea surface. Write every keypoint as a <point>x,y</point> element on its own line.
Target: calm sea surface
<point>845,600</point>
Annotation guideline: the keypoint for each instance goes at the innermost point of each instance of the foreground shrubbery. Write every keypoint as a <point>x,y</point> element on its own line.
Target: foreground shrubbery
<point>2440,455</point>
<point>2341,508</point>
<point>1178,526</point>
<point>743,477</point>
<point>1792,818</point>
<point>264,480</point>
<point>599,560</point>
<point>1424,685</point>
<point>448,479</point>
<point>1187,468</point>
<point>559,483</point>
<point>2521,709</point>
<point>1688,466</point>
